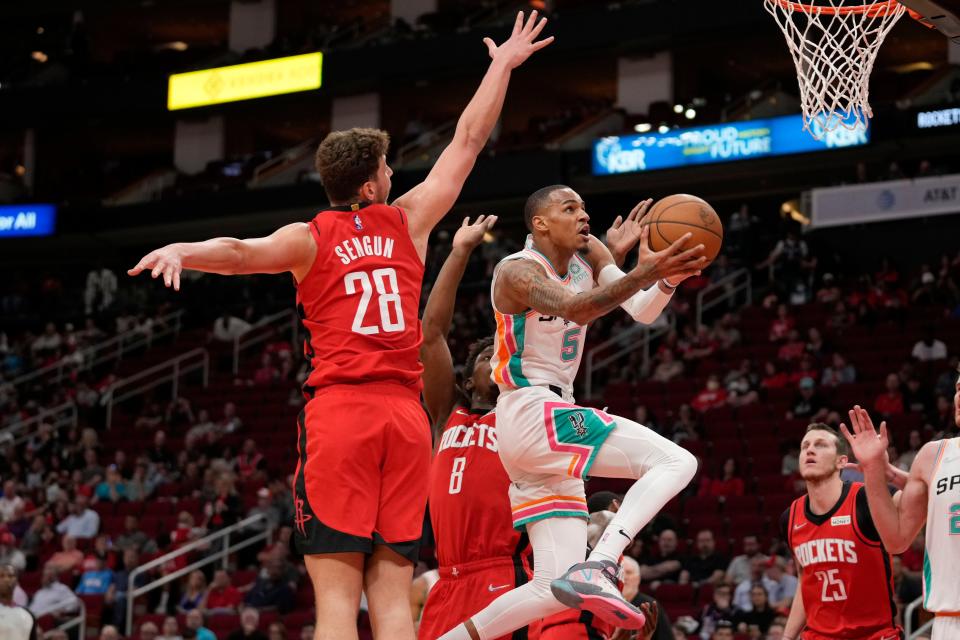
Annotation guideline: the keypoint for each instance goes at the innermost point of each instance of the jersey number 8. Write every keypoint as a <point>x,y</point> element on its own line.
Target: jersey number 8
<point>384,279</point>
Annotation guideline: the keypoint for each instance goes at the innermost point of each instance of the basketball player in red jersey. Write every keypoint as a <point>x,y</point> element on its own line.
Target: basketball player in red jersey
<point>481,555</point>
<point>846,583</point>
<point>361,482</point>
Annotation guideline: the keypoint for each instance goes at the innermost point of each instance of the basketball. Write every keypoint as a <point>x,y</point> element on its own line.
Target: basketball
<point>681,213</point>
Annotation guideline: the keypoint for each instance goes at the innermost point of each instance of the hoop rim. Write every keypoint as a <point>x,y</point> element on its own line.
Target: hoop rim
<point>873,9</point>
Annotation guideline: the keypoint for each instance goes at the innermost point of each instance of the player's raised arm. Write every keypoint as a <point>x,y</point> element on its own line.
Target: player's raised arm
<point>898,521</point>
<point>290,248</point>
<point>523,284</point>
<point>439,384</point>
<point>429,202</point>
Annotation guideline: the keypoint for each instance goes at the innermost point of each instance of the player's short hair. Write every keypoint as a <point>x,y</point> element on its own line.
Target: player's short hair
<point>601,501</point>
<point>473,353</point>
<point>537,201</point>
<point>347,159</point>
<point>843,447</point>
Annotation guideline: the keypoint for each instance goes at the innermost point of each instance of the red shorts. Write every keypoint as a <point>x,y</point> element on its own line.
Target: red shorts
<point>890,633</point>
<point>467,589</point>
<point>363,472</point>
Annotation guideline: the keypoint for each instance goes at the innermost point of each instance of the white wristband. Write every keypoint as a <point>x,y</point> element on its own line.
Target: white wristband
<point>667,284</point>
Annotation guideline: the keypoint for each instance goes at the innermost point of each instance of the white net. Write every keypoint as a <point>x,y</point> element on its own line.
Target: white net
<point>834,44</point>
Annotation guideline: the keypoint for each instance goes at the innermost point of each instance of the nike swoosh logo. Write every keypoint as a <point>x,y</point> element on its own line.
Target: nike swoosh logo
<point>492,588</point>
<point>802,524</point>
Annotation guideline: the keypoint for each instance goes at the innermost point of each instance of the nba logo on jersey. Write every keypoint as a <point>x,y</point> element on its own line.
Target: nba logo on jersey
<point>578,423</point>
<point>357,224</point>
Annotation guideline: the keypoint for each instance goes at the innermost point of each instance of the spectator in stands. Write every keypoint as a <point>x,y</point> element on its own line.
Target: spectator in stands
<point>149,631</point>
<point>790,259</point>
<point>726,332</point>
<point>916,398</point>
<point>773,377</point>
<point>730,484</point>
<point>839,372</point>
<point>195,592</point>
<point>307,631</point>
<point>791,459</point>
<point>199,430</point>
<point>171,630</point>
<point>222,597</point>
<point>151,417</point>
<point>643,415</point>
<point>781,595</point>
<point>944,385</point>
<point>116,596</point>
<point>816,346</point>
<point>840,318</point>
<point>943,419</point>
<point>249,626</point>
<point>808,404</point>
<point>743,594</point>
<point>712,396</point>
<point>53,597</point>
<point>100,291</point>
<point>113,488</point>
<point>280,549</point>
<point>701,344</point>
<point>224,507</point>
<point>740,567</point>
<point>741,386</point>
<point>97,581</point>
<point>9,553</point>
<point>82,522</point>
<point>829,292</point>
<point>179,414</point>
<point>705,565</point>
<point>758,619</point>
<point>69,557</point>
<point>228,328</point>
<point>159,454</point>
<point>666,565</point>
<point>20,523</point>
<point>687,426</point>
<point>271,590</point>
<point>267,373</point>
<point>10,501</point>
<point>134,538</point>
<point>47,344</point>
<point>195,624</point>
<point>277,631</point>
<point>929,348</point>
<point>792,348</point>
<point>905,461</point>
<point>782,324</point>
<point>890,402</point>
<point>39,534</point>
<point>109,632</point>
<point>100,551</point>
<point>720,609</point>
<point>93,471</point>
<point>231,422</point>
<point>668,368</point>
<point>250,462</point>
<point>264,506</point>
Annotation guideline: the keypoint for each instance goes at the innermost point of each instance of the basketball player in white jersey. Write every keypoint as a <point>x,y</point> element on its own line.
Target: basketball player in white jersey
<point>544,297</point>
<point>930,496</point>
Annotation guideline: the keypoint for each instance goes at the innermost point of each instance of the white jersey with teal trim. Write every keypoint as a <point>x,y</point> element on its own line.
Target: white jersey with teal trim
<point>941,562</point>
<point>533,349</point>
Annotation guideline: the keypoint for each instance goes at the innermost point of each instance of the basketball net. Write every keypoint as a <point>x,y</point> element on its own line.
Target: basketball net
<point>834,44</point>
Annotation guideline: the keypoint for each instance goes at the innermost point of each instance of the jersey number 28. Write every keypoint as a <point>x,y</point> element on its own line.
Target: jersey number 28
<point>388,297</point>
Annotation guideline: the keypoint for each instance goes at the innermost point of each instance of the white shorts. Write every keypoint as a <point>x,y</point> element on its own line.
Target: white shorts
<point>946,628</point>
<point>547,445</point>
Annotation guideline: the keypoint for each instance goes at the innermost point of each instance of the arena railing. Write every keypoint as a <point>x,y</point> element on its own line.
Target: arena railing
<point>79,620</point>
<point>268,327</point>
<point>281,162</point>
<point>427,145</point>
<point>922,630</point>
<point>168,372</point>
<point>227,541</point>
<point>638,336</point>
<point>725,290</point>
<point>58,417</point>
<point>105,351</point>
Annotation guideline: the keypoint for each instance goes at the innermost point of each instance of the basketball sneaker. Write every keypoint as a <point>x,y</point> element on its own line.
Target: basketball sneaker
<point>593,586</point>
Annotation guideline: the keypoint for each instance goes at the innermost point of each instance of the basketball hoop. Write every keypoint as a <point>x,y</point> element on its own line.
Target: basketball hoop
<point>834,44</point>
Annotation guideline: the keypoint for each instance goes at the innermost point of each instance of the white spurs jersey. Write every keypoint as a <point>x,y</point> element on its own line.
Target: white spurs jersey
<point>941,562</point>
<point>533,349</point>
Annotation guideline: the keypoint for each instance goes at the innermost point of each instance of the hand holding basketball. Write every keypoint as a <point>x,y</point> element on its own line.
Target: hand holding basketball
<point>673,263</point>
<point>520,45</point>
<point>675,215</point>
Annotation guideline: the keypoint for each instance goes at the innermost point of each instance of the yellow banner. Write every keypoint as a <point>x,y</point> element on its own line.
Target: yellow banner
<point>245,81</point>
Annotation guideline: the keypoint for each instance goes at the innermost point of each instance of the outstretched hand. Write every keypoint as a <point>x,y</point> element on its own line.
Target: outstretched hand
<point>868,446</point>
<point>624,233</point>
<point>164,261</point>
<point>895,476</point>
<point>521,43</point>
<point>468,236</point>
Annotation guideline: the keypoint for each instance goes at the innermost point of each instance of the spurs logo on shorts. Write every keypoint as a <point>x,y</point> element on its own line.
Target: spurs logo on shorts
<point>578,423</point>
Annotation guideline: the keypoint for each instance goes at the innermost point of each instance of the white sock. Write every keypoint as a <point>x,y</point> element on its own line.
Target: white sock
<point>663,469</point>
<point>558,544</point>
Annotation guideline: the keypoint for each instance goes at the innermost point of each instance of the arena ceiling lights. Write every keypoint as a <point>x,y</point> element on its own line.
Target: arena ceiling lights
<point>245,81</point>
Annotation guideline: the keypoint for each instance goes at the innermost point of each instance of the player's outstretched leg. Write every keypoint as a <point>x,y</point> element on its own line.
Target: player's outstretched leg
<point>664,469</point>
<point>387,580</point>
<point>557,543</point>
<point>337,584</point>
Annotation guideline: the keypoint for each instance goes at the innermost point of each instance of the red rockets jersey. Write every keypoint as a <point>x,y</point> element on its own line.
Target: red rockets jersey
<point>845,573</point>
<point>360,300</point>
<point>469,505</point>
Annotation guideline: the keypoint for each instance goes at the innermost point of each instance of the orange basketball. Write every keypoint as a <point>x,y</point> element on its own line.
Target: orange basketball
<point>681,213</point>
